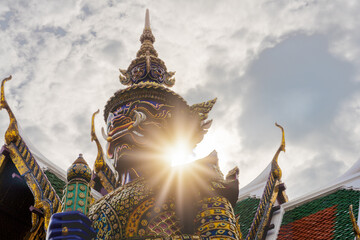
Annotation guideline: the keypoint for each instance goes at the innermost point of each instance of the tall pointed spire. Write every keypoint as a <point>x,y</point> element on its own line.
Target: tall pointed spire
<point>147,19</point>
<point>147,39</point>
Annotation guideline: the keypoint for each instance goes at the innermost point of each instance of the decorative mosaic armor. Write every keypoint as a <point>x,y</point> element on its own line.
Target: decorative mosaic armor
<point>142,209</point>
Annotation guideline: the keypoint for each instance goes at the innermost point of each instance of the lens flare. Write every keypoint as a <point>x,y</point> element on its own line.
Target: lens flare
<point>178,154</point>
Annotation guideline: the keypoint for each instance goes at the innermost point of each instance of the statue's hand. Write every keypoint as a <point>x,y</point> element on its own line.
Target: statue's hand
<point>70,225</point>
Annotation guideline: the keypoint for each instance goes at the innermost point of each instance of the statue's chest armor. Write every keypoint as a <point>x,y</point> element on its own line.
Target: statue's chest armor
<point>132,211</point>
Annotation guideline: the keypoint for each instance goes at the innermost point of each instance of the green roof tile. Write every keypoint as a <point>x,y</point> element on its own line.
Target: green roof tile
<point>246,209</point>
<point>56,183</point>
<point>341,199</point>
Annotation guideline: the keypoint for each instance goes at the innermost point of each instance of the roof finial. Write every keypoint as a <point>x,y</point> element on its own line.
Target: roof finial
<point>275,166</point>
<point>12,133</point>
<point>147,19</point>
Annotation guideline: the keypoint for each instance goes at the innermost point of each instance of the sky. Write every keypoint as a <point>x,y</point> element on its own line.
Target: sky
<point>292,62</point>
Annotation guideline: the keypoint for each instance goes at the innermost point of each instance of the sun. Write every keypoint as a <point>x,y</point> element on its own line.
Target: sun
<point>178,154</point>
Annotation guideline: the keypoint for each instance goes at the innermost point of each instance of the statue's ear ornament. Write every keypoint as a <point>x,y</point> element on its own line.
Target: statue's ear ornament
<point>169,80</point>
<point>233,174</point>
<point>139,117</point>
<point>203,108</point>
<point>105,136</point>
<point>124,77</point>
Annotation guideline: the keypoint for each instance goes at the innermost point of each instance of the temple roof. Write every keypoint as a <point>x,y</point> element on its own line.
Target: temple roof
<point>256,187</point>
<point>245,211</point>
<point>43,161</point>
<point>323,218</point>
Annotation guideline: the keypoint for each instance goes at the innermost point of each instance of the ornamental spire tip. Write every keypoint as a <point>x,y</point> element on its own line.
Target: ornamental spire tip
<point>147,19</point>
<point>147,38</point>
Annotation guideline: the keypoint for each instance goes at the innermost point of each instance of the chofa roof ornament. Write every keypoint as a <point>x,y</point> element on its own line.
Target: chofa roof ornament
<point>147,67</point>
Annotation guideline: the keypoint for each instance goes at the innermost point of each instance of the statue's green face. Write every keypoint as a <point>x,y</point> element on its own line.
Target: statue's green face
<point>141,132</point>
<point>145,135</point>
<point>128,126</point>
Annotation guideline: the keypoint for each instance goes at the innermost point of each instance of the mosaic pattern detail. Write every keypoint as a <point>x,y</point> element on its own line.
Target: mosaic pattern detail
<point>130,212</point>
<point>77,191</point>
<point>216,219</point>
<point>120,203</point>
<point>136,218</point>
<point>137,214</point>
<point>331,211</point>
<point>164,224</point>
<point>79,171</point>
<point>77,197</point>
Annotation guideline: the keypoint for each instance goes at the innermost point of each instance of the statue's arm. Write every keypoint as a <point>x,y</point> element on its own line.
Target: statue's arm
<point>70,225</point>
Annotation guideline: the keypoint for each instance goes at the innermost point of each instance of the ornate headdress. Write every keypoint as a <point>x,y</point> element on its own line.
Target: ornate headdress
<point>149,79</point>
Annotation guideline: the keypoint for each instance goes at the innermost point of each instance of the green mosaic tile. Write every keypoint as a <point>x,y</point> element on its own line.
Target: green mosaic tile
<point>342,199</point>
<point>56,183</point>
<point>246,209</point>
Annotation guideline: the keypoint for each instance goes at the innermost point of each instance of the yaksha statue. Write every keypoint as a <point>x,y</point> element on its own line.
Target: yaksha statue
<point>144,196</point>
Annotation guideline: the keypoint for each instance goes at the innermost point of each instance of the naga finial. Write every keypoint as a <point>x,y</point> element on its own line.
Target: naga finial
<point>283,137</point>
<point>354,223</point>
<point>3,103</point>
<point>99,162</point>
<point>275,166</point>
<point>12,133</point>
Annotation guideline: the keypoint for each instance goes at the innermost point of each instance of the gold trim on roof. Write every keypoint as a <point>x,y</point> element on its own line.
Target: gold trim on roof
<point>270,194</point>
<point>354,223</point>
<point>275,166</point>
<point>99,162</point>
<point>45,197</point>
<point>12,133</point>
<point>107,177</point>
<point>2,162</point>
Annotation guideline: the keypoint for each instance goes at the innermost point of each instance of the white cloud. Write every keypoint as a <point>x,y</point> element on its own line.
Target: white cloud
<point>64,58</point>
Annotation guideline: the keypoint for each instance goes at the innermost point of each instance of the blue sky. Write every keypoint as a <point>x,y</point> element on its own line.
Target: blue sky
<point>291,62</point>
